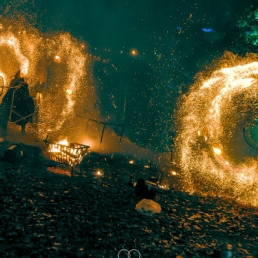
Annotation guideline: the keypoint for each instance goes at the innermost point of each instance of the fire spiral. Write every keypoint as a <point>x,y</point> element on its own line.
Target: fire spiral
<point>215,156</point>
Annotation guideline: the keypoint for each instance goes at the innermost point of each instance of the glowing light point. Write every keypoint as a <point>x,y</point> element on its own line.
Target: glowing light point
<point>98,173</point>
<point>69,91</point>
<point>131,161</point>
<point>57,59</point>
<point>64,142</point>
<point>217,151</point>
<point>134,52</point>
<point>173,173</point>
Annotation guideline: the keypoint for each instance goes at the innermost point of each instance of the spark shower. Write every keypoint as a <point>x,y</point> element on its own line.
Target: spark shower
<point>210,146</point>
<point>213,153</point>
<point>56,66</point>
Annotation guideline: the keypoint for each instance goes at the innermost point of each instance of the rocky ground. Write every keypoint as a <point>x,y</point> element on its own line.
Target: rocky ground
<point>44,212</point>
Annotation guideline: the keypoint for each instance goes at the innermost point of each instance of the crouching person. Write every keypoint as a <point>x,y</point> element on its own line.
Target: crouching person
<point>142,190</point>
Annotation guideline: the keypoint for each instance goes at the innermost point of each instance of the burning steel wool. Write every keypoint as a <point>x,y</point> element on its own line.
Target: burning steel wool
<point>55,67</point>
<point>215,156</point>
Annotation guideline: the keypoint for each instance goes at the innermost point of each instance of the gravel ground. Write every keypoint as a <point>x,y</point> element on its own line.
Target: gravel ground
<point>44,212</point>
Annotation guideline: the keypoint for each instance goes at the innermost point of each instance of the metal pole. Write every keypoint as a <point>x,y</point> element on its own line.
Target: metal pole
<point>11,108</point>
<point>121,135</point>
<point>102,133</point>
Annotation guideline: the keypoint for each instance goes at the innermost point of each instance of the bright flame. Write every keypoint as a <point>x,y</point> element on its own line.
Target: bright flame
<point>219,104</point>
<point>56,147</point>
<point>63,142</point>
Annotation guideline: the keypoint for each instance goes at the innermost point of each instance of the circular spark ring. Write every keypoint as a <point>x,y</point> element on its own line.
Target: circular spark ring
<point>206,164</point>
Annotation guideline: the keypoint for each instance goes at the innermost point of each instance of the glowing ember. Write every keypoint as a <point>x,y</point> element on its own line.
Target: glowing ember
<point>173,173</point>
<point>131,161</point>
<point>213,114</point>
<point>98,173</point>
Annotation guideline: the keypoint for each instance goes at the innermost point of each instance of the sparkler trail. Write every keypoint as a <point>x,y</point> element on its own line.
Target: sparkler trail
<point>55,66</point>
<point>215,158</point>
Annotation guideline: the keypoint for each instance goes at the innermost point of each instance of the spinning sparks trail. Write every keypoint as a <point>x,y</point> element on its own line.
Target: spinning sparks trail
<point>214,155</point>
<point>55,67</point>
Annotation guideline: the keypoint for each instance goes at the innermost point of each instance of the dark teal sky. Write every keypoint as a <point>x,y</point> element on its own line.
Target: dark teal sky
<point>175,39</point>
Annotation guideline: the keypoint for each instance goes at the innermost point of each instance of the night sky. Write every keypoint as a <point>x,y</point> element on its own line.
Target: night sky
<point>148,52</point>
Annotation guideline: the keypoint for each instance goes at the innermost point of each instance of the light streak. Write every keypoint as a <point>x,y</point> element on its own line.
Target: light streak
<point>208,30</point>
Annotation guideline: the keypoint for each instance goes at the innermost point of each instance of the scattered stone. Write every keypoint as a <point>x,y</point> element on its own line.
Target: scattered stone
<point>48,214</point>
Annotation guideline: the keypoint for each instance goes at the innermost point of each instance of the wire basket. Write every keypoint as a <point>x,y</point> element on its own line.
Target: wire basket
<point>70,155</point>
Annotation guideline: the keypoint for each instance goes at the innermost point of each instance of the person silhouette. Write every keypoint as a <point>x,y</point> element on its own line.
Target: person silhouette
<point>141,190</point>
<point>17,105</point>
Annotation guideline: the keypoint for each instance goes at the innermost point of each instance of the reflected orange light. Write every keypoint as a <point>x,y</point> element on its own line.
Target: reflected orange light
<point>173,173</point>
<point>59,171</point>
